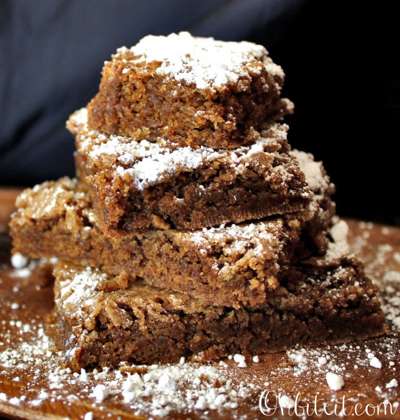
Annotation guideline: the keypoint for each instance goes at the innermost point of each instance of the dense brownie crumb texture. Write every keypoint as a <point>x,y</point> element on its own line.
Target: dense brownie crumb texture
<point>192,230</point>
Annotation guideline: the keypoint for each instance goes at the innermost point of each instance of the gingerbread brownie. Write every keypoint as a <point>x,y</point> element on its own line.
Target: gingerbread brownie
<point>191,91</point>
<point>143,185</point>
<point>228,265</point>
<point>329,302</point>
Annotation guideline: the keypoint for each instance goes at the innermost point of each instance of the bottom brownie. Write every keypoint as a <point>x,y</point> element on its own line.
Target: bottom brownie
<point>102,325</point>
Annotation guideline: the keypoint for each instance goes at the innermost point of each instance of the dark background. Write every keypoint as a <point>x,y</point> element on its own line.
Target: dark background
<point>339,58</point>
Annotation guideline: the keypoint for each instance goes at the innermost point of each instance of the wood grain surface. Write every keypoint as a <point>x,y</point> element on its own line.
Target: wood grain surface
<point>27,388</point>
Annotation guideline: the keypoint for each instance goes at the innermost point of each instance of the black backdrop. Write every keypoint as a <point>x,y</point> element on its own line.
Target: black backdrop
<point>339,57</point>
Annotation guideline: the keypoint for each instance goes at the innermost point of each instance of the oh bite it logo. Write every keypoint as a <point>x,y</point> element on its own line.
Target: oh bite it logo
<point>272,404</point>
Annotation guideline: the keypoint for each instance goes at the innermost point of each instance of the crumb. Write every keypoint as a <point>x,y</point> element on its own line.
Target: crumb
<point>19,261</point>
<point>375,362</point>
<point>335,382</point>
<point>100,393</point>
<point>392,384</point>
<point>240,360</point>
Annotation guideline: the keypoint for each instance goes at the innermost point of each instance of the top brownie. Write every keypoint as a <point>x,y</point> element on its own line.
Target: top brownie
<point>191,91</point>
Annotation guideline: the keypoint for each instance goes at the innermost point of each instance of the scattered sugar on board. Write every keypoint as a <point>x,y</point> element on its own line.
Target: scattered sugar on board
<point>319,361</point>
<point>160,390</point>
<point>286,402</point>
<point>157,389</point>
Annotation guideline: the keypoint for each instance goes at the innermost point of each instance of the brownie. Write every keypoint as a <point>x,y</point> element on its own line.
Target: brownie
<point>143,185</point>
<point>190,91</point>
<point>227,265</point>
<point>327,302</point>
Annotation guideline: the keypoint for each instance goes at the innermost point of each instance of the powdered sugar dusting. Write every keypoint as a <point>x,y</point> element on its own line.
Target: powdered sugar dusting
<point>148,163</point>
<point>151,164</point>
<point>204,62</point>
<point>237,238</point>
<point>79,291</point>
<point>252,244</point>
<point>80,117</point>
<point>390,285</point>
<point>313,171</point>
<point>151,169</point>
<point>51,199</point>
<point>339,245</point>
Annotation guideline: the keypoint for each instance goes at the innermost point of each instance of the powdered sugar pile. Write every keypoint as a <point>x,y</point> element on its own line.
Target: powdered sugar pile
<point>335,382</point>
<point>23,267</point>
<point>205,62</point>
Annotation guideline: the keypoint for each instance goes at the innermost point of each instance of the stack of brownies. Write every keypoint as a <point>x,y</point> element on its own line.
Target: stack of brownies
<point>192,229</point>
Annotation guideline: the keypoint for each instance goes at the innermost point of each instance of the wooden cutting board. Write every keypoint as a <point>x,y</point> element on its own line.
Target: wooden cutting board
<point>33,387</point>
